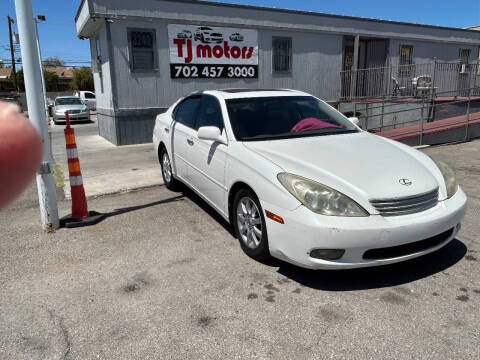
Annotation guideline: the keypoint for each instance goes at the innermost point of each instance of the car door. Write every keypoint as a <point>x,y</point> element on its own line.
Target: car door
<point>182,135</point>
<point>90,100</point>
<point>207,158</point>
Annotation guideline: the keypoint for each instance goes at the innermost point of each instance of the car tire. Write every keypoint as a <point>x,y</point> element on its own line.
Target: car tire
<point>170,182</point>
<point>249,225</point>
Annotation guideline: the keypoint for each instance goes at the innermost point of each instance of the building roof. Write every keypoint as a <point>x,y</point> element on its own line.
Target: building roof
<point>5,73</point>
<point>304,12</point>
<point>474,28</point>
<point>62,72</point>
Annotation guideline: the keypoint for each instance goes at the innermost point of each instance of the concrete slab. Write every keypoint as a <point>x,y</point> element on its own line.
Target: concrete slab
<point>106,168</point>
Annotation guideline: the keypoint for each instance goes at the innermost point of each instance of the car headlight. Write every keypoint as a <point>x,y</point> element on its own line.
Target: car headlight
<point>319,198</point>
<point>449,178</point>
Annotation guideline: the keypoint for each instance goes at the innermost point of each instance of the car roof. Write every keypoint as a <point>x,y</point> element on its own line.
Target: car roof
<point>250,93</point>
<point>66,97</point>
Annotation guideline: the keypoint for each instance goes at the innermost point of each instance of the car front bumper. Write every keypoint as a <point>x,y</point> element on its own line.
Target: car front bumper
<point>73,117</point>
<point>304,231</point>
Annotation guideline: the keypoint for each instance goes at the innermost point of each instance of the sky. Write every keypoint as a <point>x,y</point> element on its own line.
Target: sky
<point>58,37</point>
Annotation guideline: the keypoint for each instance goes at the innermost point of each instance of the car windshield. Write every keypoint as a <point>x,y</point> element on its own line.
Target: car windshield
<point>280,117</point>
<point>68,101</point>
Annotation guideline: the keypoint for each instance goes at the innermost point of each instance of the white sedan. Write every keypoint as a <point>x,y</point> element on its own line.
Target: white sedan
<point>299,181</point>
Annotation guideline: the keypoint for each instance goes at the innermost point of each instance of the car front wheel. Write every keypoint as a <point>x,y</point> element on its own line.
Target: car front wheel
<point>249,225</point>
<point>170,182</point>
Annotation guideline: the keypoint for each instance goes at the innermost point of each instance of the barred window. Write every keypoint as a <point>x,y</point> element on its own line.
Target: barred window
<point>464,56</point>
<point>406,60</point>
<point>282,54</point>
<point>142,49</point>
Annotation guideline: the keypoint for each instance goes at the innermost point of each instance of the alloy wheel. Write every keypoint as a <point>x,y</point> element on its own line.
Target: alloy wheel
<point>249,222</point>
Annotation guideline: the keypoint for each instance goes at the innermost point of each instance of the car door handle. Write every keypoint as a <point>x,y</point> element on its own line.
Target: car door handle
<point>167,130</point>
<point>190,142</point>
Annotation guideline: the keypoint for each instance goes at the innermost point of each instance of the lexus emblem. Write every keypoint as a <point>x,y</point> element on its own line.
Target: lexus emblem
<point>405,182</point>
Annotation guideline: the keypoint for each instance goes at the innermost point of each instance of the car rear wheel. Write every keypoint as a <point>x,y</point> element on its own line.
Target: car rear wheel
<point>249,225</point>
<point>170,182</point>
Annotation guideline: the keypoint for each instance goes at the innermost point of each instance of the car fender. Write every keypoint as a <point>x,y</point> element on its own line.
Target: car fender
<point>260,174</point>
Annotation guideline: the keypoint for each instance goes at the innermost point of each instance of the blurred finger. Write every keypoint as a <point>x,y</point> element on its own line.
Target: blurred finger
<point>20,152</point>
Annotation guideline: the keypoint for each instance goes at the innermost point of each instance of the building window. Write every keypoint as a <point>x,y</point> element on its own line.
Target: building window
<point>282,54</point>
<point>142,44</point>
<point>406,60</point>
<point>464,56</point>
<point>464,60</point>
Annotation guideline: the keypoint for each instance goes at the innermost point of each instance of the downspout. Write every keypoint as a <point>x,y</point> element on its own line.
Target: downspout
<point>113,82</point>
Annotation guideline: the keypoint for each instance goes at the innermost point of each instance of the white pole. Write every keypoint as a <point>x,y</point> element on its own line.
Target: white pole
<point>41,72</point>
<point>36,112</point>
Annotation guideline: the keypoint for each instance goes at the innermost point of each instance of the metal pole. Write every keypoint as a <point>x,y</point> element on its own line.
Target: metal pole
<point>36,112</point>
<point>12,51</point>
<point>468,117</point>
<point>421,121</point>
<point>383,112</point>
<point>354,71</point>
<point>41,72</point>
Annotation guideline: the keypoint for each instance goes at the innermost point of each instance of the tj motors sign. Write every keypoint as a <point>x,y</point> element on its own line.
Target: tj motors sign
<point>212,52</point>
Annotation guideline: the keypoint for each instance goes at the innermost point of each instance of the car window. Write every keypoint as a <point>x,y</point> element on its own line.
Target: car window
<point>89,96</point>
<point>68,101</point>
<point>210,113</point>
<point>268,118</point>
<point>186,111</point>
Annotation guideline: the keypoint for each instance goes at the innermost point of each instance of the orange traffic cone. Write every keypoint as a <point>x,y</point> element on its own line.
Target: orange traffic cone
<point>80,215</point>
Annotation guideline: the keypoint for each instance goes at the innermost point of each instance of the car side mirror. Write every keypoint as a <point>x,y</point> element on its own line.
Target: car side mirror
<point>354,120</point>
<point>211,133</point>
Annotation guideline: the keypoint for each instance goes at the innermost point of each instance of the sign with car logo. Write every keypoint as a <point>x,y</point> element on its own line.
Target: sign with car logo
<point>207,52</point>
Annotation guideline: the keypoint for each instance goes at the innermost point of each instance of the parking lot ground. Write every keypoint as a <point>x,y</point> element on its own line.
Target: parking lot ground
<point>163,278</point>
<point>106,168</point>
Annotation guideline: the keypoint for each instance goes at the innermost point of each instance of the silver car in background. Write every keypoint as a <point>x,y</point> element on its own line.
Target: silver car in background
<point>77,110</point>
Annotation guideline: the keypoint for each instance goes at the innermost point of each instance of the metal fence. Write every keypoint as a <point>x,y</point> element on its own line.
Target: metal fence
<point>423,112</point>
<point>416,80</point>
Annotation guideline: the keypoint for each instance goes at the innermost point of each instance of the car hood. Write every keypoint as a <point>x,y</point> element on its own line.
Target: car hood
<point>69,107</point>
<point>361,165</point>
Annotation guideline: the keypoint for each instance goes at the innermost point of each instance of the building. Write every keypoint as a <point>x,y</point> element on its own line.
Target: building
<point>6,80</point>
<point>148,53</point>
<point>65,77</point>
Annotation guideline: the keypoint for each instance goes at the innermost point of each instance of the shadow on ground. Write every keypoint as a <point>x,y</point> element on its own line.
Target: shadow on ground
<point>139,207</point>
<point>339,280</point>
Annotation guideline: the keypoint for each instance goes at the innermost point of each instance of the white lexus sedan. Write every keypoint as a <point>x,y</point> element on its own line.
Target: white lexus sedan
<point>299,181</point>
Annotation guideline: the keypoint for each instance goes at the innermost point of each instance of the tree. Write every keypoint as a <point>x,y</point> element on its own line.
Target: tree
<point>53,61</point>
<point>20,80</point>
<point>82,79</point>
<point>51,80</point>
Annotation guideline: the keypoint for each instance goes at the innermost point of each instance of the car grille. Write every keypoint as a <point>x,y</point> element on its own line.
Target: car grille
<point>74,111</point>
<point>407,205</point>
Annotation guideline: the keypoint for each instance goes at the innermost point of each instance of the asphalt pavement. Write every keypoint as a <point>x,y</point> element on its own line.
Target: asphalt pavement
<point>163,278</point>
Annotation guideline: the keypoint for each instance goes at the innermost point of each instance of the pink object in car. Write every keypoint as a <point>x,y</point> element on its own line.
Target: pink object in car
<point>313,124</point>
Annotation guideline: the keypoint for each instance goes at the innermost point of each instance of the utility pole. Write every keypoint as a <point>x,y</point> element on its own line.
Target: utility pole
<point>12,51</point>
<point>36,112</point>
